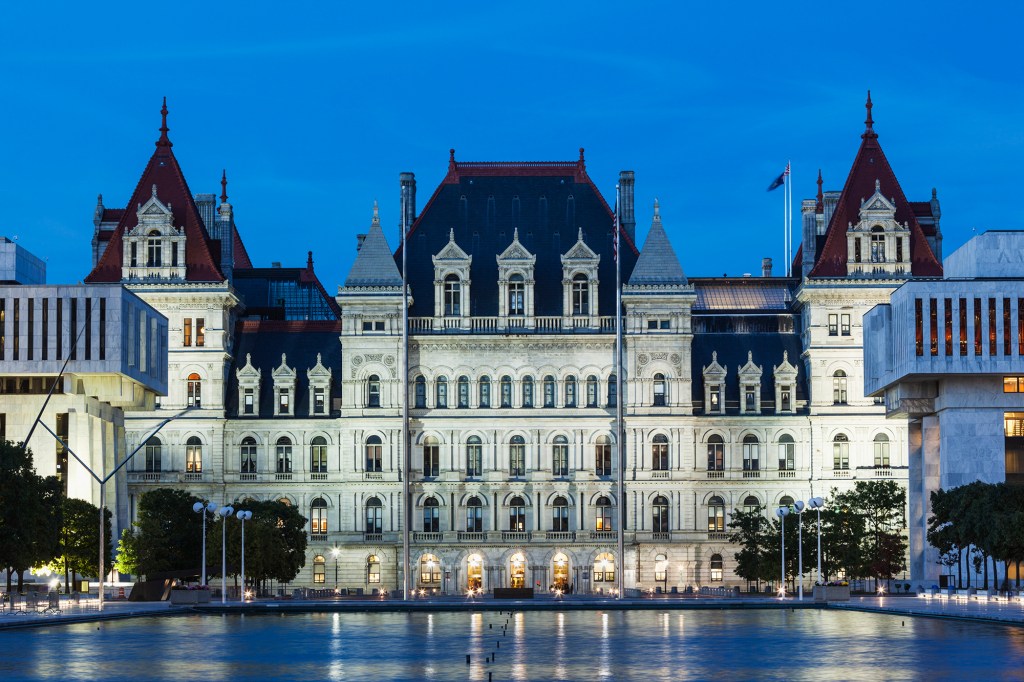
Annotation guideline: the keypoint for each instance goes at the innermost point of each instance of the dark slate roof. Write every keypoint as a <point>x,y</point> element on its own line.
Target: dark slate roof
<point>265,341</point>
<point>657,264</point>
<point>732,351</point>
<point>485,202</point>
<point>374,265</point>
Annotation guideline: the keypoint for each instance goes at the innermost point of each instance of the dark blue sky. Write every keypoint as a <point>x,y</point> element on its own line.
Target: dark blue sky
<point>314,111</point>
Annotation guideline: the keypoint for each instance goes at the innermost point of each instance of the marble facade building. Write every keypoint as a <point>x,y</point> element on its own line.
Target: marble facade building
<point>737,391</point>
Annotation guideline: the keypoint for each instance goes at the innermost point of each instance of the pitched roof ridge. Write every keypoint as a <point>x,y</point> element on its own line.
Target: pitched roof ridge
<point>657,263</point>
<point>374,264</point>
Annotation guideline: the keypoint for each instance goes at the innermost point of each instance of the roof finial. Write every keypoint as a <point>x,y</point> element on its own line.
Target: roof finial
<point>164,141</point>
<point>154,190</point>
<point>224,186</point>
<point>878,184</point>
<point>819,204</point>
<point>657,210</point>
<point>309,260</point>
<point>451,234</point>
<point>515,234</point>
<point>376,213</point>
<point>581,155</point>
<point>869,130</point>
<point>579,237</point>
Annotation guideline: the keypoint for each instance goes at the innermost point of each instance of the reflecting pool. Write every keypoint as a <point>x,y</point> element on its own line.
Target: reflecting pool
<point>573,645</point>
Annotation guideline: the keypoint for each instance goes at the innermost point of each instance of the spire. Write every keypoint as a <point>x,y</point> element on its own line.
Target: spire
<point>224,186</point>
<point>657,265</point>
<point>819,205</point>
<point>869,123</point>
<point>164,141</point>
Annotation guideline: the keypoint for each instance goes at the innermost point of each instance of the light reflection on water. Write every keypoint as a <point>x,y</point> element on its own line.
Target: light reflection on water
<point>573,645</point>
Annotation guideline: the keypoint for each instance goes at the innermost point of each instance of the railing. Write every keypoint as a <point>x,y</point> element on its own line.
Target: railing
<point>786,473</point>
<point>471,536</point>
<point>248,477</point>
<point>603,535</point>
<point>717,535</point>
<point>318,477</point>
<point>373,537</point>
<point>751,474</point>
<point>840,473</point>
<point>426,537</point>
<point>716,474</point>
<point>883,471</point>
<point>515,536</point>
<point>145,476</point>
<point>373,476</point>
<point>660,474</point>
<point>283,476</point>
<point>192,476</point>
<point>318,537</point>
<point>661,536</point>
<point>548,324</point>
<point>561,535</point>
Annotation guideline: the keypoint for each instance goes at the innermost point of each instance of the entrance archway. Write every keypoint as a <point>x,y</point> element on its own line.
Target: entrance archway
<point>604,571</point>
<point>517,571</point>
<point>560,572</point>
<point>474,572</point>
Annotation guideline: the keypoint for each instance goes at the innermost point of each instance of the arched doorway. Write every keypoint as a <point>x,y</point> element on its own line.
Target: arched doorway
<point>474,572</point>
<point>604,572</point>
<point>560,572</point>
<point>517,571</point>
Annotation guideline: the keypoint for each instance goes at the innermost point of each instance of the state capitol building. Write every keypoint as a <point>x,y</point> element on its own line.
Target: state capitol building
<point>735,391</point>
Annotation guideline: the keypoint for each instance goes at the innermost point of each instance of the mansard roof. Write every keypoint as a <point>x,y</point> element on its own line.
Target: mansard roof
<point>484,203</point>
<point>285,294</point>
<point>163,171</point>
<point>657,264</point>
<point>869,166</point>
<point>733,352</point>
<point>374,265</point>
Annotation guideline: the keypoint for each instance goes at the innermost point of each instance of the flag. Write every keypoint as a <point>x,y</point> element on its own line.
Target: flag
<point>615,235</point>
<point>779,181</point>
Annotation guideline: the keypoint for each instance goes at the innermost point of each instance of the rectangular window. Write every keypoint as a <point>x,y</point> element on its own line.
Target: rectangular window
<point>977,326</point>
<point>31,336</point>
<point>250,402</point>
<point>844,324</point>
<point>715,399</point>
<point>59,331</point>
<point>948,326</point>
<point>319,403</point>
<point>1013,384</point>
<point>16,329</point>
<point>918,328</point>
<point>1013,424</point>
<point>992,342</point>
<point>88,329</point>
<point>1006,327</point>
<point>103,329</point>
<point>833,325</point>
<point>187,339</point>
<point>200,332</point>
<point>933,325</point>
<point>963,326</point>
<point>44,338</point>
<point>1020,327</point>
<point>748,395</point>
<point>283,401</point>
<point>786,399</point>
<point>3,326</point>
<point>899,249</point>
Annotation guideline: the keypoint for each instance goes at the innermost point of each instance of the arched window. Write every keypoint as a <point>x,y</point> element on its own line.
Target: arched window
<point>603,456</point>
<point>527,391</point>
<point>839,387</point>
<point>319,570</point>
<point>591,391</point>
<point>580,295</point>
<point>430,570</point>
<point>463,391</point>
<point>373,391</point>
<point>374,453</point>
<point>474,456</point>
<point>841,452</point>
<point>318,455</point>
<point>517,571</point>
<point>786,501</point>
<point>661,568</point>
<point>474,515</point>
<point>549,391</point>
<point>452,296</point>
<point>420,392</point>
<point>153,448</point>
<point>195,390</point>
<point>318,516</point>
<point>560,456</point>
<point>716,453</point>
<point>154,250</point>
<point>751,453</point>
<point>374,521</point>
<point>284,455</point>
<point>517,456</point>
<point>485,391</point>
<point>570,391</point>
<point>881,444</point>
<point>247,455</point>
<point>506,391</point>
<point>431,457</point>
<point>373,570</point>
<point>516,295</point>
<point>877,244</point>
<point>561,572</point>
<point>194,455</point>
<point>716,515</point>
<point>659,390</point>
<point>787,449</point>
<point>659,510</point>
<point>603,520</point>
<point>659,453</point>
<point>431,516</point>
<point>441,392</point>
<point>751,504</point>
<point>716,568</point>
<point>517,514</point>
<point>613,390</point>
<point>560,515</point>
<point>604,568</point>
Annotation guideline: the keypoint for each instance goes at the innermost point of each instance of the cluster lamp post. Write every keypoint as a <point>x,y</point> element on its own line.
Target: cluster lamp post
<point>224,512</point>
<point>817,503</point>
<point>781,512</point>
<point>799,506</point>
<point>202,508</point>
<point>243,516</point>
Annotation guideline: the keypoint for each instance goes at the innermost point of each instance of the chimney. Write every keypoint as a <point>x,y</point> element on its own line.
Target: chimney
<point>809,237</point>
<point>360,238</point>
<point>626,180</point>
<point>766,267</point>
<point>407,197</point>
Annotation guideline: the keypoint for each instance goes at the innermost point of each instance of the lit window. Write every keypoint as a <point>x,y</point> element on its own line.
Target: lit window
<point>604,568</point>
<point>195,391</point>
<point>284,400</point>
<point>603,520</point>
<point>716,568</point>
<point>318,516</point>
<point>319,570</point>
<point>430,570</point>
<point>193,455</point>
<point>319,401</point>
<point>249,401</point>
<point>200,332</point>
<point>373,570</point>
<point>517,514</point>
<point>716,515</point>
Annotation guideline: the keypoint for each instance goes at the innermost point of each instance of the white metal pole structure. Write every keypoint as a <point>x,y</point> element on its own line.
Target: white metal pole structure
<point>781,513</point>
<point>799,506</point>
<point>224,513</point>
<point>817,503</point>
<point>620,444</point>
<point>243,516</point>
<point>404,373</point>
<point>202,508</point>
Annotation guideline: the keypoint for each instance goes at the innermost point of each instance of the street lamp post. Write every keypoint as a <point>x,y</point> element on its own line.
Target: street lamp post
<point>224,513</point>
<point>202,508</point>
<point>781,512</point>
<point>817,503</point>
<point>334,553</point>
<point>243,516</point>
<point>799,506</point>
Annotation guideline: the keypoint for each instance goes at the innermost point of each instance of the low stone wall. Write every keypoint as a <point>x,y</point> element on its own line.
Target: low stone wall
<point>831,593</point>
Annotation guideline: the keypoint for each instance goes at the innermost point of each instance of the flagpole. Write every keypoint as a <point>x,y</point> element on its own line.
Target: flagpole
<point>406,498</point>
<point>785,217</point>
<point>789,221</point>
<point>619,444</point>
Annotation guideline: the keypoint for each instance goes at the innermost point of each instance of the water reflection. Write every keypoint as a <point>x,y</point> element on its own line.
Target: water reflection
<point>538,645</point>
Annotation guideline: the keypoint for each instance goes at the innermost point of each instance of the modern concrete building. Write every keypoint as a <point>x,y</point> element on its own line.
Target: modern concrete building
<point>948,355</point>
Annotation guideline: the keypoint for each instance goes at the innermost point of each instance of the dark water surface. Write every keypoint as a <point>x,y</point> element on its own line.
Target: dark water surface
<point>577,645</point>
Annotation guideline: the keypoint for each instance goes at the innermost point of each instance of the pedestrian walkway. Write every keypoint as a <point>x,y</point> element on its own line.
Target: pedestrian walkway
<point>27,612</point>
<point>955,609</point>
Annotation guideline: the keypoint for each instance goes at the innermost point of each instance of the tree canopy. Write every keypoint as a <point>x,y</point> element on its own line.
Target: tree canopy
<point>30,513</point>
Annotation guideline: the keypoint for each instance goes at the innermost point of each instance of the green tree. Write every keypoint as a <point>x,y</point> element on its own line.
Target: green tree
<point>275,542</point>
<point>80,540</point>
<point>127,561</point>
<point>750,532</point>
<point>168,535</point>
<point>864,531</point>
<point>30,513</point>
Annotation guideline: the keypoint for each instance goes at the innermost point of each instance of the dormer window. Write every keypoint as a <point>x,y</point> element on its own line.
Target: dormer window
<point>515,283</point>
<point>750,385</point>
<point>452,296</point>
<point>319,378</point>
<point>284,398</point>
<point>451,280</point>
<point>714,386</point>
<point>154,250</point>
<point>285,378</point>
<point>579,282</point>
<point>580,295</point>
<point>248,378</point>
<point>516,295</point>
<point>877,244</point>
